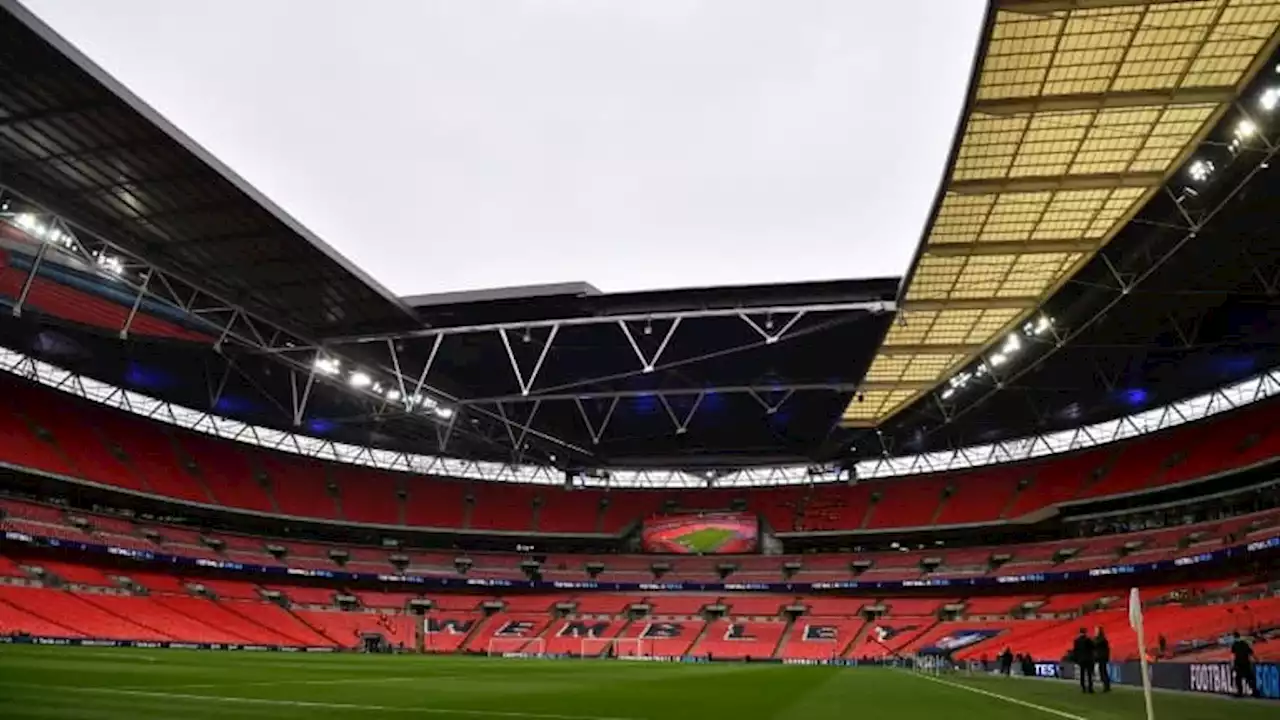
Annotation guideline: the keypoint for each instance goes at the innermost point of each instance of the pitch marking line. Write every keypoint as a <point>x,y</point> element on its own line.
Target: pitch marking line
<point>331,706</point>
<point>1006,698</point>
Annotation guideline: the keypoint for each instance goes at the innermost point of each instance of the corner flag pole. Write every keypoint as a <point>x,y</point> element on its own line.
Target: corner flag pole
<point>1135,621</point>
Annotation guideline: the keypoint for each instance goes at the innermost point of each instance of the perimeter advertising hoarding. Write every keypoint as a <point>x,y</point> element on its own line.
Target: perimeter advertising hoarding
<point>1215,678</point>
<point>702,533</point>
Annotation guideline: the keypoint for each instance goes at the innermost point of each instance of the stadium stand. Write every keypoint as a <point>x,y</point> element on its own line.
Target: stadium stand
<point>567,635</point>
<point>665,637</point>
<point>740,639</point>
<point>820,638</point>
<point>78,441</point>
<point>345,629</point>
<point>62,301</point>
<point>298,486</point>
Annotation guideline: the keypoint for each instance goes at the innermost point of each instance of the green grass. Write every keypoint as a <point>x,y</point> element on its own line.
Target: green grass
<point>53,683</point>
<point>706,540</point>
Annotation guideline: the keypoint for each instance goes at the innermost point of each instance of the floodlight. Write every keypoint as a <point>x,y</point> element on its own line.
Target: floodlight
<point>111,264</point>
<point>946,394</point>
<point>328,366</point>
<point>997,359</point>
<point>26,221</point>
<point>1200,170</point>
<point>1011,344</point>
<point>1270,99</point>
<point>393,395</point>
<point>1245,128</point>
<point>360,379</point>
<point>444,412</point>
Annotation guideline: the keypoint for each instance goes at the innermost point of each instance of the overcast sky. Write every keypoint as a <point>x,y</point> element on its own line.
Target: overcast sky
<point>448,145</point>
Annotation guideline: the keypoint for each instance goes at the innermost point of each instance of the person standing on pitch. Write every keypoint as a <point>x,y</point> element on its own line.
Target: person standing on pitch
<point>1242,665</point>
<point>1102,656</point>
<point>1082,654</point>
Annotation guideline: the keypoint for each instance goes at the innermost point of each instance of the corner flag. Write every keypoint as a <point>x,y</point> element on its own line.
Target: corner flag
<point>1135,622</point>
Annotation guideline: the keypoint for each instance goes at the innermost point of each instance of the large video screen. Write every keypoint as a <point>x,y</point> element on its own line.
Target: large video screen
<point>702,533</point>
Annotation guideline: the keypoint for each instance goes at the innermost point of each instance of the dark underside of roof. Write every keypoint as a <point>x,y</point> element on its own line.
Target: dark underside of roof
<point>1155,316</point>
<point>75,144</point>
<point>719,392</point>
<point>1186,298</point>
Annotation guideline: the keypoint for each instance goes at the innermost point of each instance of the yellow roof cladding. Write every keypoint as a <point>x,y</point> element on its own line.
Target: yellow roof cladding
<point>1082,109</point>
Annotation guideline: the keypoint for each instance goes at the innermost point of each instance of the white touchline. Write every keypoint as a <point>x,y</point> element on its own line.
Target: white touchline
<point>1005,698</point>
<point>328,706</point>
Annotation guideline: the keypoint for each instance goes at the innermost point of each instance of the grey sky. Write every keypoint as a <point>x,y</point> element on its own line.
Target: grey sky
<point>449,145</point>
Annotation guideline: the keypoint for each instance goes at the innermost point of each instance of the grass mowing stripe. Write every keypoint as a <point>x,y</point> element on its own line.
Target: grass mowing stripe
<point>322,705</point>
<point>277,683</point>
<point>998,696</point>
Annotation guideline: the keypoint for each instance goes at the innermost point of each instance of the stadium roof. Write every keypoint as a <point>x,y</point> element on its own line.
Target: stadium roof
<point>1079,111</point>
<point>1154,284</point>
<point>81,146</point>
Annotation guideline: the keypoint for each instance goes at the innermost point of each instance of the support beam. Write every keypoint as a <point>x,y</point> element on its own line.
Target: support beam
<point>527,383</point>
<point>1126,285</point>
<point>596,432</point>
<point>755,390</point>
<point>771,408</point>
<point>1099,181</point>
<point>1104,100</point>
<point>31,277</point>
<point>1040,7</point>
<point>682,426</point>
<point>137,303</point>
<point>767,332</point>
<point>648,362</point>
<point>231,322</point>
<point>1011,247</point>
<point>939,349</point>
<point>872,306</point>
<point>994,303</point>
<point>301,397</point>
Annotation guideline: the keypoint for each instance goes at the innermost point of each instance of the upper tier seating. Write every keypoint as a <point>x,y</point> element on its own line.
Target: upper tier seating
<point>1100,551</point>
<point>46,430</point>
<point>59,300</point>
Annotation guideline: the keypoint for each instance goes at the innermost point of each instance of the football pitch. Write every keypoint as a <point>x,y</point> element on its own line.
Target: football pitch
<point>705,540</point>
<point>115,684</point>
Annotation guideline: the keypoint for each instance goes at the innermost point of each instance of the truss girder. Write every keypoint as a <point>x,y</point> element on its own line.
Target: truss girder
<point>784,310</point>
<point>1104,100</point>
<point>1260,387</point>
<point>1125,284</point>
<point>1099,181</point>
<point>227,321</point>
<point>769,389</point>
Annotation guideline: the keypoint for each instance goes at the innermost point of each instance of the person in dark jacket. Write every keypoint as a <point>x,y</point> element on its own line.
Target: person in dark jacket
<point>1242,664</point>
<point>1102,656</point>
<point>1082,655</point>
<point>1028,665</point>
<point>1006,661</point>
